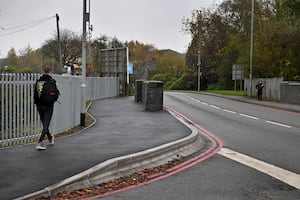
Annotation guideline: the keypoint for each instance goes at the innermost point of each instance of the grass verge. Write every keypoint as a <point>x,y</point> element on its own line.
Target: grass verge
<point>227,92</point>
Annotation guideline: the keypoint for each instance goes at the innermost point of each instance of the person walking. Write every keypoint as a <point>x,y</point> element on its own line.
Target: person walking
<point>45,95</point>
<point>259,87</point>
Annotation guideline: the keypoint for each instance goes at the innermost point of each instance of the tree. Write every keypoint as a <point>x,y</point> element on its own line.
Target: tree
<point>143,58</point>
<point>224,38</point>
<point>169,68</point>
<point>12,58</point>
<point>290,7</point>
<point>71,48</point>
<point>210,33</point>
<point>276,43</point>
<point>29,60</point>
<point>94,58</point>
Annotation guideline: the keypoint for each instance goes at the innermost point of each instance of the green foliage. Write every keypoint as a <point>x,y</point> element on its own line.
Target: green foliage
<point>184,82</point>
<point>178,83</point>
<point>12,58</point>
<point>143,58</point>
<point>170,68</point>
<point>224,35</point>
<point>71,48</point>
<point>166,78</point>
<point>227,92</point>
<point>27,70</point>
<point>9,69</point>
<point>30,60</point>
<point>27,61</point>
<point>291,7</point>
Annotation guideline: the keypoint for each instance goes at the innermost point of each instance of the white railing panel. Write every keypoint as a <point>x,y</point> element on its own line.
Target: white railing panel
<point>19,121</point>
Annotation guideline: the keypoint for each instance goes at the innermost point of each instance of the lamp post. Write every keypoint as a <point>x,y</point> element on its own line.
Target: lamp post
<point>86,18</point>
<point>199,63</point>
<point>251,47</point>
<point>199,57</point>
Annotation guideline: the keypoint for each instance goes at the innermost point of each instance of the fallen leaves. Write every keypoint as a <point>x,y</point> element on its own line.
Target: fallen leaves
<point>116,184</point>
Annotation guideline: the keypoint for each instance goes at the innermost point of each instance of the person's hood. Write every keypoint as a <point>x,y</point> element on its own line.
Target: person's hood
<point>46,77</point>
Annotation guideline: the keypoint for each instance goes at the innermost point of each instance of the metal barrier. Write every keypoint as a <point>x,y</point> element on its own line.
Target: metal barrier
<point>19,120</point>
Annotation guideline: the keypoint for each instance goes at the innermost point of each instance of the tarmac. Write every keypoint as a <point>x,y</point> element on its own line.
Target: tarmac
<point>122,127</point>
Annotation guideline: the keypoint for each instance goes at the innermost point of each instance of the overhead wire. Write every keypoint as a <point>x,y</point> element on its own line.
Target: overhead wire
<point>21,27</point>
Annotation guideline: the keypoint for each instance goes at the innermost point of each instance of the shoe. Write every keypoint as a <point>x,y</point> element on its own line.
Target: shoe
<point>51,140</point>
<point>40,146</point>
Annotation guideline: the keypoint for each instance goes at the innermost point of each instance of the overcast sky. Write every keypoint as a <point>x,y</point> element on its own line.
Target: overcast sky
<point>156,22</point>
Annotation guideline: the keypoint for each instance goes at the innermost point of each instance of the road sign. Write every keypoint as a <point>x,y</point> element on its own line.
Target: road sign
<point>130,68</point>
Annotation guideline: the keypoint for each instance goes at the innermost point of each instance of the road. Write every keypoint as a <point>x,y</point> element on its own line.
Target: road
<point>259,159</point>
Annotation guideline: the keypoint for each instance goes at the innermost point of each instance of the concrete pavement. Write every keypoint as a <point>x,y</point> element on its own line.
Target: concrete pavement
<point>122,128</point>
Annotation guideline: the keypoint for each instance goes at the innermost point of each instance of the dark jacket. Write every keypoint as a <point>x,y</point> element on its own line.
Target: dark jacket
<point>259,87</point>
<point>44,78</point>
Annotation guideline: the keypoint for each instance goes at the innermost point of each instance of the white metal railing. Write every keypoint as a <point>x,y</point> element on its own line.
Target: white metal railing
<point>20,122</point>
<point>19,119</point>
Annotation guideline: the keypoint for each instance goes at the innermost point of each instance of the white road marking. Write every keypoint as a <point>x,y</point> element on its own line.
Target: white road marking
<point>195,99</point>
<point>241,114</point>
<point>216,107</point>
<point>248,116</point>
<point>283,175</point>
<point>278,124</point>
<point>230,111</point>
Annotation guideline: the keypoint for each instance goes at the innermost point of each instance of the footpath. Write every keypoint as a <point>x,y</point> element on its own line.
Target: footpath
<point>122,128</point>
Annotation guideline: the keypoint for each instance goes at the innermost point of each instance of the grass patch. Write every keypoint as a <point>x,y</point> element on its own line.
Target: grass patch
<point>227,92</point>
<point>88,121</point>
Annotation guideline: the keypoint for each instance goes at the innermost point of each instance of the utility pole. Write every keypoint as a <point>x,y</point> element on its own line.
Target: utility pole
<point>86,18</point>
<point>59,44</point>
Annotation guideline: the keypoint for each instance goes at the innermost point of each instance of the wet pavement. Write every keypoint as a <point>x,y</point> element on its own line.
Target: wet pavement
<point>122,127</point>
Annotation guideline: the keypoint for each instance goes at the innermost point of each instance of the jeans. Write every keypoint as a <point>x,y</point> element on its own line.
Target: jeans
<point>45,113</point>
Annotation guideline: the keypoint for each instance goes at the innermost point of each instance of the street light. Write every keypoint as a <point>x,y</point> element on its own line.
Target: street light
<point>199,57</point>
<point>251,46</point>
<point>86,18</point>
<point>199,63</point>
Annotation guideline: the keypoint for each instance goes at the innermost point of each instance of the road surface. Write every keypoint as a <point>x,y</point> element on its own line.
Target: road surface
<point>260,159</point>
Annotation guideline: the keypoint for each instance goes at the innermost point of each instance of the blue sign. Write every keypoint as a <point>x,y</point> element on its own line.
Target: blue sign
<point>130,68</point>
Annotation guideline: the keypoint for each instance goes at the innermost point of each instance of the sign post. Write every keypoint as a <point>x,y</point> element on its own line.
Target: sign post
<point>237,74</point>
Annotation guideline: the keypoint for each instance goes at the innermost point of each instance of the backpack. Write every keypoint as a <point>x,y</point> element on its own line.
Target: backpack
<point>46,92</point>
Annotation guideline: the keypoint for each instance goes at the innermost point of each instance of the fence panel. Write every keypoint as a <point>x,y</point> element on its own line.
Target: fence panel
<point>19,119</point>
<point>271,89</point>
